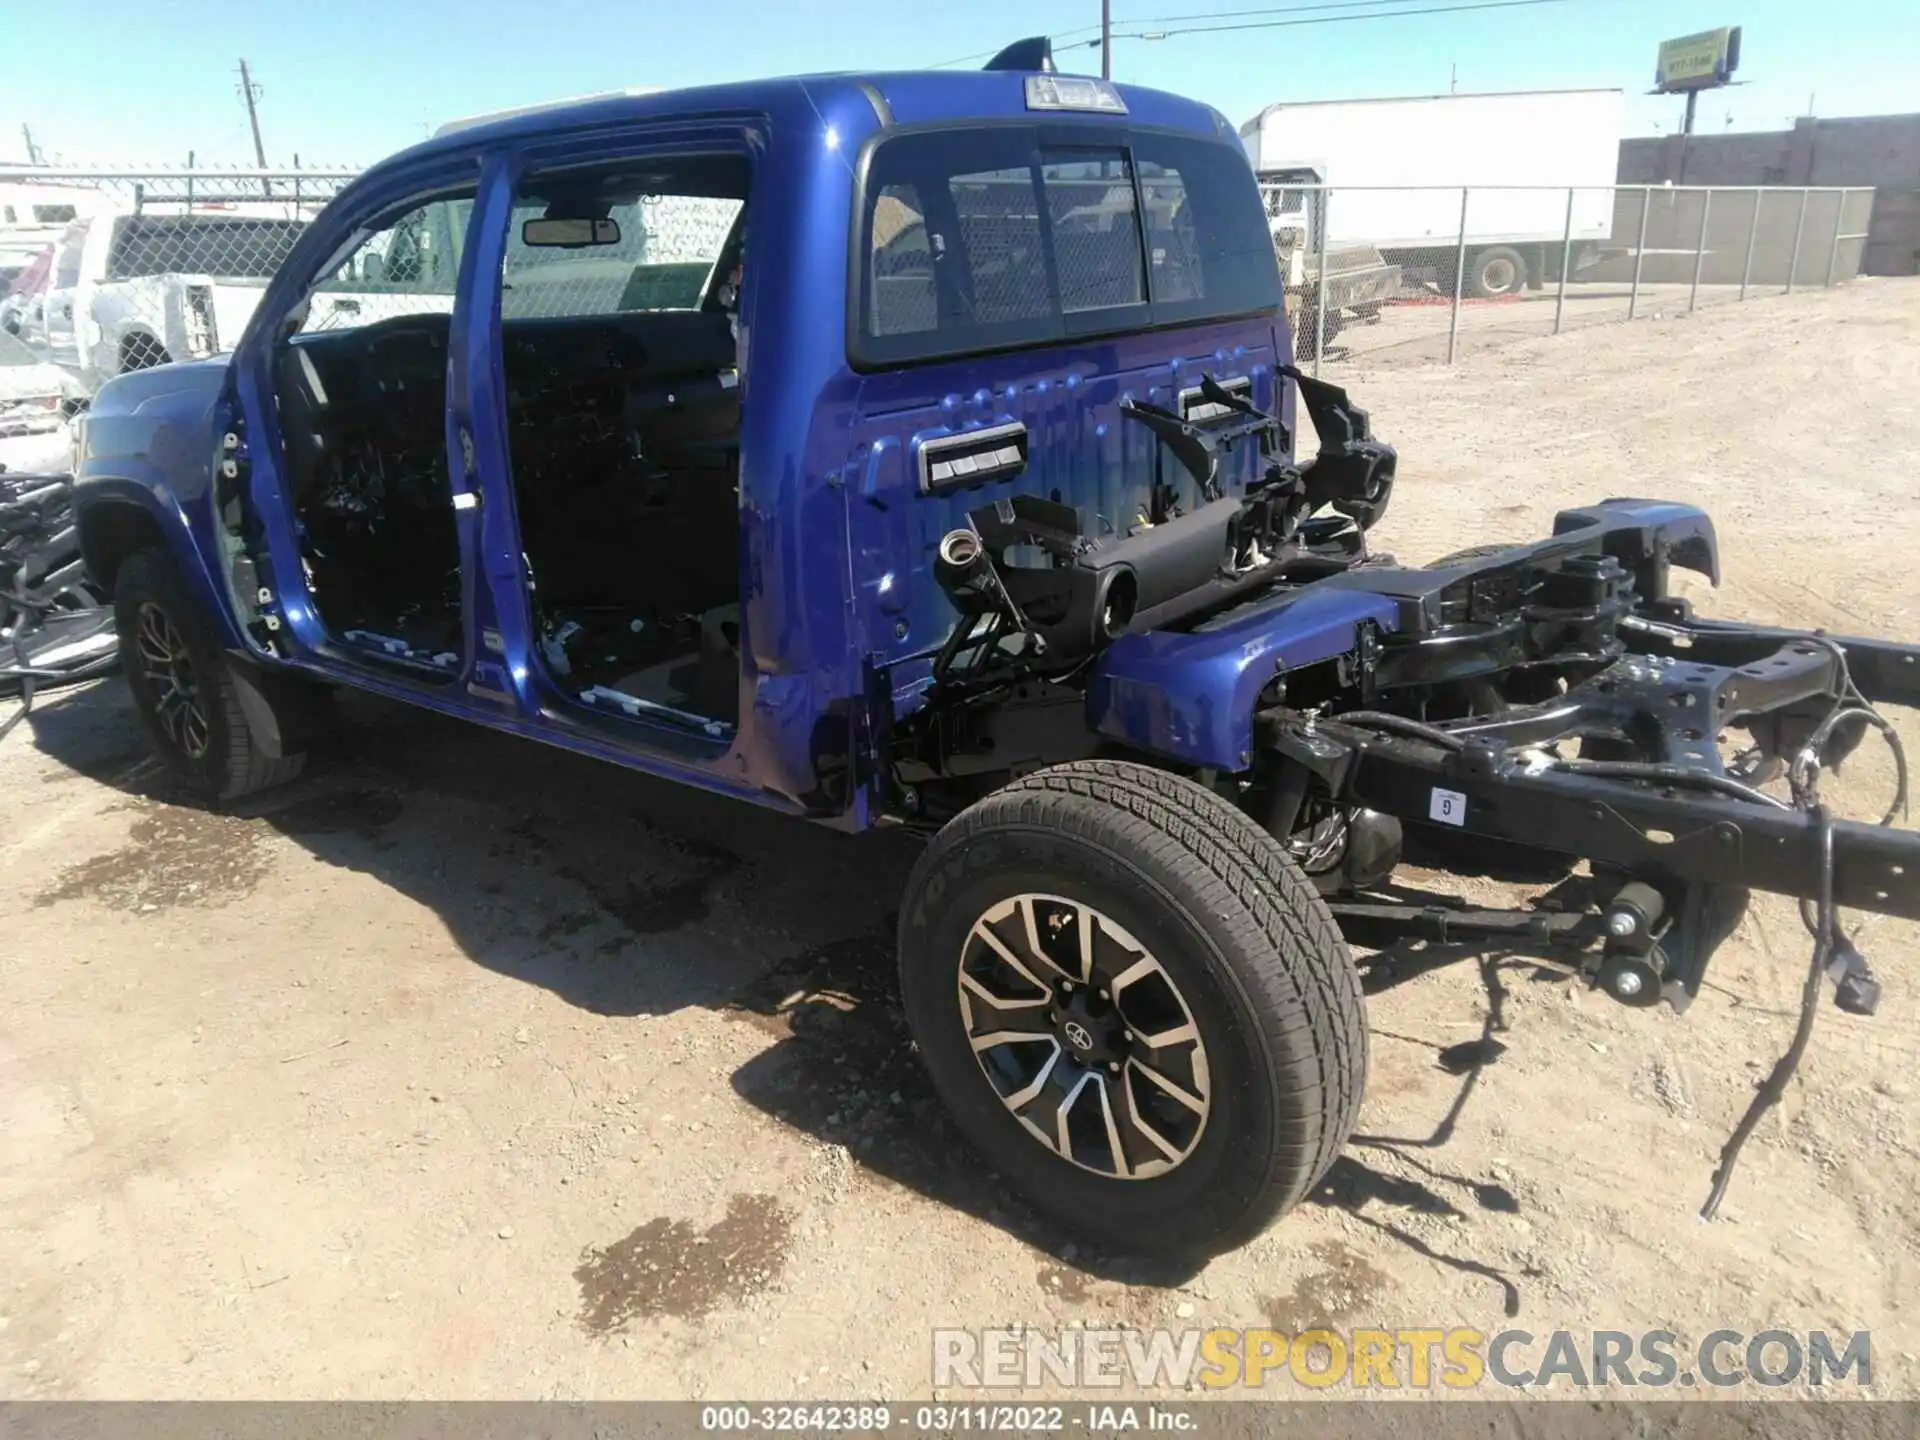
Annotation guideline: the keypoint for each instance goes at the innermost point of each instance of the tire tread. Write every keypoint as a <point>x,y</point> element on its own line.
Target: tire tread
<point>246,769</point>
<point>1288,947</point>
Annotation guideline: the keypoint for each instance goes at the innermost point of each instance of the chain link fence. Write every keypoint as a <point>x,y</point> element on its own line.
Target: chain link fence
<point>158,266</point>
<point>1420,274</point>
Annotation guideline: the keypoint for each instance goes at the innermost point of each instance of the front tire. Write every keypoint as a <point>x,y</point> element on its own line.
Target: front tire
<point>183,688</point>
<point>1136,1006</point>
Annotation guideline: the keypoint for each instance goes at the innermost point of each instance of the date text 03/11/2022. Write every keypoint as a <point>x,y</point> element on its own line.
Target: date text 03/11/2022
<point>946,1419</point>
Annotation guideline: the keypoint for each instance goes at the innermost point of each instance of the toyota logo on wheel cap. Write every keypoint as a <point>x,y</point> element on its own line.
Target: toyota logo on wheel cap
<point>1077,1035</point>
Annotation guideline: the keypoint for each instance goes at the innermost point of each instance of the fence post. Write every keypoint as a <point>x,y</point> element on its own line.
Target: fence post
<point>1459,278</point>
<point>1566,264</point>
<point>1320,302</point>
<point>1839,224</point>
<point>1753,234</point>
<point>1700,248</point>
<point>1799,230</point>
<point>1640,249</point>
<point>190,182</point>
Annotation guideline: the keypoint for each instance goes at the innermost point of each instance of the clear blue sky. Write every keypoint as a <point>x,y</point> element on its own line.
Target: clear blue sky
<point>132,81</point>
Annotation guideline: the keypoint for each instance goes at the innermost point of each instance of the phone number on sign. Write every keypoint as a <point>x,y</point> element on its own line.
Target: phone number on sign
<point>1023,1419</point>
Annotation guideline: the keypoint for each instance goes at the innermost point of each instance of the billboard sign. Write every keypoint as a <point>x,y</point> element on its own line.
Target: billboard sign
<point>1698,62</point>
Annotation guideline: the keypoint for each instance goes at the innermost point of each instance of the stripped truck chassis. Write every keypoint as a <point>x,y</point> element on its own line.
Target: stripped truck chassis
<point>1552,697</point>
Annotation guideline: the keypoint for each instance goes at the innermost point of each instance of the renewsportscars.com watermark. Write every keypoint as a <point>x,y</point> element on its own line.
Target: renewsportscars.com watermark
<point>1402,1359</point>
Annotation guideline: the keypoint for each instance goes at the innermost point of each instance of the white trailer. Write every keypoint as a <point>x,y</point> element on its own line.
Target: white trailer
<point>1395,169</point>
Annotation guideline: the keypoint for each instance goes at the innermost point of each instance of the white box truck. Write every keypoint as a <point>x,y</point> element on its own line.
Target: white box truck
<point>1386,161</point>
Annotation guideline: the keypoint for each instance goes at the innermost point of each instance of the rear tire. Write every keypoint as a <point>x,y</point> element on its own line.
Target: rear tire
<point>1497,271</point>
<point>183,688</point>
<point>1208,926</point>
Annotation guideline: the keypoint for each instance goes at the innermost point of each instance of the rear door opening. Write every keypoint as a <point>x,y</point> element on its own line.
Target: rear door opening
<point>618,305</point>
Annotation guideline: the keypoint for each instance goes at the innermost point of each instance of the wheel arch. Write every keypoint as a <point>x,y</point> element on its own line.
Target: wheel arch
<point>117,518</point>
<point>139,343</point>
<point>111,529</point>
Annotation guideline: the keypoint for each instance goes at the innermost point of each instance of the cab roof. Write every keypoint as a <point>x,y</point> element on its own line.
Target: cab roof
<point>896,97</point>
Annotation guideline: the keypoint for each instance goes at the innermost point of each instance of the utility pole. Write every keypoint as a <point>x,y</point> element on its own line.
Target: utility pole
<point>250,93</point>
<point>34,156</point>
<point>1106,39</point>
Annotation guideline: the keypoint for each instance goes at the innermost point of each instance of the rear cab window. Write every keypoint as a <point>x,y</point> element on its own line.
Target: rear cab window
<point>988,238</point>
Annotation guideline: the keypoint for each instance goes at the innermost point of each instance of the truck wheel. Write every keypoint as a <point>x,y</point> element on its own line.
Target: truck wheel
<point>1135,1004</point>
<point>1304,335</point>
<point>142,352</point>
<point>1495,271</point>
<point>183,689</point>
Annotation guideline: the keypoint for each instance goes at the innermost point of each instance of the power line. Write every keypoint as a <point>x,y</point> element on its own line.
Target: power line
<point>1262,10</point>
<point>1182,24</point>
<point>1334,19</point>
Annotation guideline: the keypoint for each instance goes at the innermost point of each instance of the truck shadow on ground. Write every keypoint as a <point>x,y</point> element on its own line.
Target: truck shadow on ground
<point>624,896</point>
<point>844,1072</point>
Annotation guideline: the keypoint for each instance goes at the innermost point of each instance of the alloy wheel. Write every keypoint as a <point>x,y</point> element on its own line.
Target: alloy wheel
<point>168,670</point>
<point>1084,1036</point>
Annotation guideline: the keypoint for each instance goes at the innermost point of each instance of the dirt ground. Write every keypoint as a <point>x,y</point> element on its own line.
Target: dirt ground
<point>466,1068</point>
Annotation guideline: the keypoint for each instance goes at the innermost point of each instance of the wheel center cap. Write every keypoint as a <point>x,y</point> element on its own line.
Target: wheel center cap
<point>1091,1035</point>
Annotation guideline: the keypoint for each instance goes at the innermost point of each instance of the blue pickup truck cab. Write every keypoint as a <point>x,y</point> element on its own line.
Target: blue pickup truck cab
<point>905,448</point>
<point>635,426</point>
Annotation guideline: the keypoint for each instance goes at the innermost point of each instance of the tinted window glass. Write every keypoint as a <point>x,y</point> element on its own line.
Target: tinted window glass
<point>1006,276</point>
<point>981,239</point>
<point>901,299</point>
<point>146,245</point>
<point>1173,249</point>
<point>1096,230</point>
<point>1207,236</point>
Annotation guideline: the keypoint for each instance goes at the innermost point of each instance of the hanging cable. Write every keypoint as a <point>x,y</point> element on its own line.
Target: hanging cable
<point>1775,1085</point>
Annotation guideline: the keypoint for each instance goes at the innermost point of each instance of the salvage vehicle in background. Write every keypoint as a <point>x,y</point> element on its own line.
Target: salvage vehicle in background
<point>137,288</point>
<point>961,492</point>
<point>33,214</point>
<point>1396,166</point>
<point>26,292</point>
<point>1357,279</point>
<point>36,401</point>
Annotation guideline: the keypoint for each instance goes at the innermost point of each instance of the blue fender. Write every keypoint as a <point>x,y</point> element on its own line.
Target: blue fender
<point>1191,696</point>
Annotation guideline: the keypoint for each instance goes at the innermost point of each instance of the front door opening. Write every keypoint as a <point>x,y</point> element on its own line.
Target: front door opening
<point>362,391</point>
<point>619,298</point>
